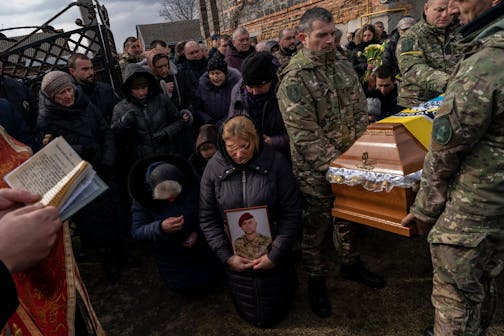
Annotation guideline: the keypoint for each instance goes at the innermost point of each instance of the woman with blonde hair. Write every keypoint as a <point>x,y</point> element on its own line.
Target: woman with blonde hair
<point>246,173</point>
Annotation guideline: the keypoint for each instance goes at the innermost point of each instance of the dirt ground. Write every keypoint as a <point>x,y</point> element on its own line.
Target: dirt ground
<point>139,304</point>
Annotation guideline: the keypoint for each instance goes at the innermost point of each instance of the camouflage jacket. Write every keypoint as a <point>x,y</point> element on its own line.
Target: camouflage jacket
<point>462,186</point>
<point>426,58</point>
<point>283,57</point>
<point>324,110</point>
<point>252,249</point>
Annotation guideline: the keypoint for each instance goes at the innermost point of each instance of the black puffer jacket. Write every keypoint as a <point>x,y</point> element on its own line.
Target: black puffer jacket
<point>211,104</point>
<point>83,127</point>
<point>261,297</point>
<point>20,97</point>
<point>152,126</point>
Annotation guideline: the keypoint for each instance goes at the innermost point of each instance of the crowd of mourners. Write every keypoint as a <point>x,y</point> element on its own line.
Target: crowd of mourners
<point>195,133</point>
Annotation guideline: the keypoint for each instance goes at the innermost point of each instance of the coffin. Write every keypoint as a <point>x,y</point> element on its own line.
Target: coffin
<point>375,181</point>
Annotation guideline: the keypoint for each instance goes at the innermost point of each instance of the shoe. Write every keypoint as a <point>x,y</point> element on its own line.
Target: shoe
<point>317,292</point>
<point>429,331</point>
<point>357,272</point>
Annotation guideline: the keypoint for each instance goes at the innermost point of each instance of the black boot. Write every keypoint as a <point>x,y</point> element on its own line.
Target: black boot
<point>357,272</point>
<point>429,331</point>
<point>317,292</point>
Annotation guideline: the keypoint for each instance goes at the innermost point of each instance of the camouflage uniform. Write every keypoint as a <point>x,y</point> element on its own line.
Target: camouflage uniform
<point>324,110</point>
<point>462,187</point>
<point>251,249</point>
<point>128,59</point>
<point>283,57</point>
<point>426,58</point>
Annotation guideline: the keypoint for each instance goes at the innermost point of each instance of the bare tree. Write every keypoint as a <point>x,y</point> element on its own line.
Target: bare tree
<point>179,10</point>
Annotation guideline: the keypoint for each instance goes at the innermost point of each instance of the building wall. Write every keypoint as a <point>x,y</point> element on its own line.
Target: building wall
<point>265,18</point>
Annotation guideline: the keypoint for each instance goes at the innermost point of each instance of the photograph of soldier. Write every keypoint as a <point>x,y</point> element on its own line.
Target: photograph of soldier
<point>251,244</point>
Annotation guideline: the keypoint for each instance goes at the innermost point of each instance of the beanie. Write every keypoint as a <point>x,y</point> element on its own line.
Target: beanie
<point>244,217</point>
<point>257,68</point>
<point>165,180</point>
<point>406,22</point>
<point>55,81</point>
<point>217,63</point>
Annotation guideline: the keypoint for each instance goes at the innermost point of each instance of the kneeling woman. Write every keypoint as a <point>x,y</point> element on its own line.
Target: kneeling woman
<point>165,210</point>
<point>244,174</point>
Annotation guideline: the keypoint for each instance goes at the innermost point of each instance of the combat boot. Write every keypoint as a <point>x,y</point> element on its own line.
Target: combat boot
<point>357,272</point>
<point>319,300</point>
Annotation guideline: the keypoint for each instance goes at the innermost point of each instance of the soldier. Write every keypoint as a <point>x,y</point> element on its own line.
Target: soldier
<point>287,42</point>
<point>133,53</point>
<point>324,114</point>
<point>462,186</point>
<point>426,55</point>
<point>252,244</point>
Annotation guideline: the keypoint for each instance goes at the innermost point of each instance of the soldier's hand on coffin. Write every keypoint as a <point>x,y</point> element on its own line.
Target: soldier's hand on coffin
<point>263,262</point>
<point>239,264</point>
<point>417,225</point>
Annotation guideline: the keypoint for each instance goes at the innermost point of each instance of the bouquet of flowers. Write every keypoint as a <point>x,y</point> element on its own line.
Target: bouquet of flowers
<point>373,54</point>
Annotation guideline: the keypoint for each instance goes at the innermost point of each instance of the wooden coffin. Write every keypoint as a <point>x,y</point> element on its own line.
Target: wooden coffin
<point>387,148</point>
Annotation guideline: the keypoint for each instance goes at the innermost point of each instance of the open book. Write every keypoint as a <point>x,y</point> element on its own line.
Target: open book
<point>58,174</point>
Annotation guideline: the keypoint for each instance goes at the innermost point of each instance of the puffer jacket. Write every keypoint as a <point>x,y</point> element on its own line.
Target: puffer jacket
<point>181,268</point>
<point>83,127</point>
<point>211,103</point>
<point>153,126</point>
<point>264,111</point>
<point>261,297</point>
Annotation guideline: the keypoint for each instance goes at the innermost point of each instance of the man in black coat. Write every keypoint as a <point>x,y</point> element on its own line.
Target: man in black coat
<point>100,94</point>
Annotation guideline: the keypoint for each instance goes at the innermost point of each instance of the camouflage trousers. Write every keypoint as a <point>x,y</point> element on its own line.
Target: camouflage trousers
<point>317,222</point>
<point>464,292</point>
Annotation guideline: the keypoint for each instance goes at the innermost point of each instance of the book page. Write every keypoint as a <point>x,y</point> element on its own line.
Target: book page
<point>44,169</point>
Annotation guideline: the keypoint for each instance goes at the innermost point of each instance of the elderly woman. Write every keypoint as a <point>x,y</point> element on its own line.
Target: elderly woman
<point>165,196</point>
<point>246,173</point>
<point>65,111</point>
<point>213,96</point>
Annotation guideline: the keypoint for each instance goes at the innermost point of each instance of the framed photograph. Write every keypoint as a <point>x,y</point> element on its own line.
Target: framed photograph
<point>249,231</point>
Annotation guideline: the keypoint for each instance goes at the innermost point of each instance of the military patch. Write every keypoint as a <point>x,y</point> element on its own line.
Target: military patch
<point>407,45</point>
<point>294,93</point>
<point>442,130</point>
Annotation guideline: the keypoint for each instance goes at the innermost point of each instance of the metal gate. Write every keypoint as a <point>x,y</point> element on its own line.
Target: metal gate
<point>44,49</point>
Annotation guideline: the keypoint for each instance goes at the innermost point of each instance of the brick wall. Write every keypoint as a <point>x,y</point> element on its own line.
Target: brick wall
<point>265,19</point>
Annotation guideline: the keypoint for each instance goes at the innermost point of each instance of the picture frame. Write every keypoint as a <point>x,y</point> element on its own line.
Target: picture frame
<point>249,231</point>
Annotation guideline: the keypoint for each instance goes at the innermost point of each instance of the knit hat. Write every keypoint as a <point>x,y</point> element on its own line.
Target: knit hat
<point>55,81</point>
<point>215,37</point>
<point>257,68</point>
<point>244,217</point>
<point>406,22</point>
<point>165,179</point>
<point>217,63</point>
